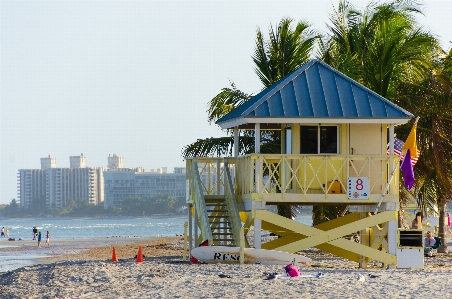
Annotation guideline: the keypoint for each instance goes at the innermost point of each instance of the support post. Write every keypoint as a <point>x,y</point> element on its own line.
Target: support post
<point>236,142</point>
<point>257,233</point>
<point>257,138</point>
<point>257,227</point>
<point>190,229</point>
<point>242,245</point>
<point>364,237</point>
<point>391,153</point>
<point>196,228</point>
<point>184,256</point>
<point>392,232</point>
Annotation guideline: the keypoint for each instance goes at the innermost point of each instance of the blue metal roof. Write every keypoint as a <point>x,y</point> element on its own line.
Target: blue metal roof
<point>315,92</point>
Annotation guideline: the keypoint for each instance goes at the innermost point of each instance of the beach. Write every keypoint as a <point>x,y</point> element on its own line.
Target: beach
<point>83,269</point>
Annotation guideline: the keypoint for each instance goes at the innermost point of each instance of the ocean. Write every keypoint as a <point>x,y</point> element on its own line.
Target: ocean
<point>86,228</point>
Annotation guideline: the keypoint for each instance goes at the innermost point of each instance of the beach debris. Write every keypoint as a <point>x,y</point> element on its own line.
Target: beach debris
<point>361,277</point>
<point>222,275</point>
<point>271,276</point>
<point>373,276</point>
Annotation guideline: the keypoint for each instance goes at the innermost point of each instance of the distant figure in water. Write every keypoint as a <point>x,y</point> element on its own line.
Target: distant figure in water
<point>39,239</point>
<point>7,233</point>
<point>3,232</point>
<point>48,239</point>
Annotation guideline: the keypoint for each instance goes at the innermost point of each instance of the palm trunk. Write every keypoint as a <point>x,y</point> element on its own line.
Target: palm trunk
<point>442,226</point>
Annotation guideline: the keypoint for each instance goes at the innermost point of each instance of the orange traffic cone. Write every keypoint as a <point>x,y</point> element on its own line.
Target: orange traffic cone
<point>140,255</point>
<point>114,258</point>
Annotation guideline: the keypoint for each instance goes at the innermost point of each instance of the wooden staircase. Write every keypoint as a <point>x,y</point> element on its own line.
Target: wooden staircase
<point>219,220</point>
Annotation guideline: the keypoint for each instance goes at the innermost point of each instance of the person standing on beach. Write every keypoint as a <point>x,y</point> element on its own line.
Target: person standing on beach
<point>35,232</point>
<point>48,239</point>
<point>7,233</point>
<point>39,239</point>
<point>3,232</point>
<point>448,223</point>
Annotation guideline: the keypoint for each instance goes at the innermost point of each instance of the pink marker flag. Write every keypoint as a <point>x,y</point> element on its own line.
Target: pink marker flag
<point>407,168</point>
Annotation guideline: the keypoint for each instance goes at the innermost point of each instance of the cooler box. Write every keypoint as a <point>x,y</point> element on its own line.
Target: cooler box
<point>410,249</point>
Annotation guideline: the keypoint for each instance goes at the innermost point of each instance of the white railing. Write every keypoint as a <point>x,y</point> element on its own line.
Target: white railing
<point>262,173</point>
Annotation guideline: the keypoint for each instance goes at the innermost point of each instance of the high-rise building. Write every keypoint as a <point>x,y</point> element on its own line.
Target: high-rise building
<point>54,187</point>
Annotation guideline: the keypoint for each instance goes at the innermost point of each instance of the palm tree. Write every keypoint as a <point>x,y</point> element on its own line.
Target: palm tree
<point>286,49</point>
<point>432,100</point>
<point>382,47</point>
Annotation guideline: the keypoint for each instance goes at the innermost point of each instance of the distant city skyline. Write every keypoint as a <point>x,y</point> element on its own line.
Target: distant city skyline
<point>132,78</point>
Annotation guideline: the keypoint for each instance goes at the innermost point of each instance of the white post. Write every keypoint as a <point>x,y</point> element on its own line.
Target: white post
<point>242,245</point>
<point>392,232</point>
<point>257,227</point>
<point>257,233</point>
<point>257,150</point>
<point>190,229</point>
<point>257,138</point>
<point>236,142</point>
<point>196,228</point>
<point>391,152</point>
<point>184,256</point>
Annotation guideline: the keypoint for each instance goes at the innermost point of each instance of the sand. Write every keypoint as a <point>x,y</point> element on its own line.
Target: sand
<point>87,272</point>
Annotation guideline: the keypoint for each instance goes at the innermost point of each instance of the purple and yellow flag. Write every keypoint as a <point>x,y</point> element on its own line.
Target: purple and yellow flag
<point>410,147</point>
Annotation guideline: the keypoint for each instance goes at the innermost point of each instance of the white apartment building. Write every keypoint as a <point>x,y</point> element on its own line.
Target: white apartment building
<point>54,186</point>
<point>120,185</point>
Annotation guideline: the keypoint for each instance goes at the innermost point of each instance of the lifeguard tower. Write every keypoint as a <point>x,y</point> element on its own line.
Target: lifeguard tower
<point>334,133</point>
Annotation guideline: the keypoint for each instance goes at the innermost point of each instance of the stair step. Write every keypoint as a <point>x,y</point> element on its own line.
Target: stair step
<point>219,211</point>
<point>214,197</point>
<point>222,234</point>
<point>218,216</point>
<point>230,240</point>
<point>216,204</point>
<point>224,222</point>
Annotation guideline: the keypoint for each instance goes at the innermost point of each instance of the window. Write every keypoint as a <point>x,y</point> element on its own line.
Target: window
<point>318,139</point>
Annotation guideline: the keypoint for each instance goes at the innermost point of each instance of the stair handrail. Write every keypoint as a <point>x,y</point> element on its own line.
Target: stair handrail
<point>200,204</point>
<point>231,204</point>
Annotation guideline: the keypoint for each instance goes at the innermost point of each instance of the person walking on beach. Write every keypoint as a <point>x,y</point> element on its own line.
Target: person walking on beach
<point>39,240</point>
<point>3,232</point>
<point>35,232</point>
<point>7,233</point>
<point>48,239</point>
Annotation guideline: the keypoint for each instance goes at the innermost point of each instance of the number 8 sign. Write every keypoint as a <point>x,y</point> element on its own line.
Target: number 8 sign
<point>358,188</point>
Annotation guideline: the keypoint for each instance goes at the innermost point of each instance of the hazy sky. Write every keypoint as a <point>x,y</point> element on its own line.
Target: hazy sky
<point>131,78</point>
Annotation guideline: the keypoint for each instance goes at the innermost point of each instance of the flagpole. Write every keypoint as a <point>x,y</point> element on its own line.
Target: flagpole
<point>392,175</point>
<point>387,185</point>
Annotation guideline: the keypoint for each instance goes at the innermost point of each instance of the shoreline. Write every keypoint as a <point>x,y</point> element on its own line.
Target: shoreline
<point>83,268</point>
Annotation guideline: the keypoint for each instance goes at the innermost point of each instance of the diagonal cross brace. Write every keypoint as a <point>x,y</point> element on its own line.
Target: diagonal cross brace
<point>333,236</point>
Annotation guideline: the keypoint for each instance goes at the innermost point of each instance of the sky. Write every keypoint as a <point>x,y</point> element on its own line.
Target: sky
<point>132,78</point>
